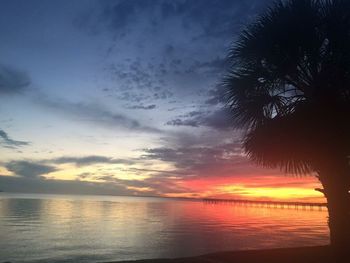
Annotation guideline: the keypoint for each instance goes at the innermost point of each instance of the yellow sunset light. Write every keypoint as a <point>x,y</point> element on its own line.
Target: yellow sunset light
<point>269,192</point>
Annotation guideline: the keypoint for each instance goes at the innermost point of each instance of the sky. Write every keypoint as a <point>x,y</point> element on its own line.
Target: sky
<point>123,98</point>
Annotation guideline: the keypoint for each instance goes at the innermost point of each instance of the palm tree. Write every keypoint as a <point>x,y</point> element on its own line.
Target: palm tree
<point>288,88</point>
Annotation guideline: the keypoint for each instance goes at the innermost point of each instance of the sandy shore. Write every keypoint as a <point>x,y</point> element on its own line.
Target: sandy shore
<point>284,255</point>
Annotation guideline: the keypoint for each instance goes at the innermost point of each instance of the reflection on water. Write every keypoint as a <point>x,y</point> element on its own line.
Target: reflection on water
<point>47,228</point>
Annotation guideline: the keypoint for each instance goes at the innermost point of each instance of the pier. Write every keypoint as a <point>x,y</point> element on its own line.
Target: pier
<point>269,204</point>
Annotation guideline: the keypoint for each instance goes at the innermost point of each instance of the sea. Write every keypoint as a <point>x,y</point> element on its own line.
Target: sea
<point>78,228</point>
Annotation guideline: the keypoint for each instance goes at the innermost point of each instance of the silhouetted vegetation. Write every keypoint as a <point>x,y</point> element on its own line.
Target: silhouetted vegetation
<point>289,88</point>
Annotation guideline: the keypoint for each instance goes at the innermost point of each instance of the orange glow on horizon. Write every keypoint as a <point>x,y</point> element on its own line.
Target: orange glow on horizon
<point>252,187</point>
<point>255,188</point>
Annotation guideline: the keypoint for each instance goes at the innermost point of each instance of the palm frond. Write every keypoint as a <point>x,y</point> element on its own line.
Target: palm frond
<point>290,71</point>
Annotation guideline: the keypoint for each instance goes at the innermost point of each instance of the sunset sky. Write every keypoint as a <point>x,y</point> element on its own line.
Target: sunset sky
<point>121,97</point>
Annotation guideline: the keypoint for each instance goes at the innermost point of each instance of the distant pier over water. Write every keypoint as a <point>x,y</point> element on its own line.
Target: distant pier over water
<point>269,204</point>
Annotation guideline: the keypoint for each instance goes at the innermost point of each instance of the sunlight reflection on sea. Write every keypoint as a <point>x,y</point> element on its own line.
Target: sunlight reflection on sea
<point>57,228</point>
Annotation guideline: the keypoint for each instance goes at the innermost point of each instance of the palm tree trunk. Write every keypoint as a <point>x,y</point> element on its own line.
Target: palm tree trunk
<point>336,191</point>
<point>339,223</point>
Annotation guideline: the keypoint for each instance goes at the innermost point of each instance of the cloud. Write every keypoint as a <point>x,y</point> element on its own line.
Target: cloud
<point>140,81</point>
<point>216,96</point>
<point>181,122</point>
<point>169,50</point>
<point>164,53</point>
<point>88,160</point>
<point>35,168</point>
<point>205,161</point>
<point>97,114</point>
<point>142,107</point>
<point>10,143</point>
<point>12,81</point>
<point>49,186</point>
<point>157,185</point>
<point>219,119</point>
<point>29,169</point>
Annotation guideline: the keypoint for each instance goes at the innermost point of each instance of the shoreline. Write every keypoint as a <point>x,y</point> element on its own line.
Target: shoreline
<point>317,254</point>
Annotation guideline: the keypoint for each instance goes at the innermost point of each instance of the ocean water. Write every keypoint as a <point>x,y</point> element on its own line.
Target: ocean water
<point>62,228</point>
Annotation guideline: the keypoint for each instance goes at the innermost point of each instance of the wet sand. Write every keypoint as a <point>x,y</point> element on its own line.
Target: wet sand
<point>318,254</point>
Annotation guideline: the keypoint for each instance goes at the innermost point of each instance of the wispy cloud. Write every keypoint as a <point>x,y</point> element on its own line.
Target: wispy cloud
<point>7,142</point>
<point>97,114</point>
<point>13,81</point>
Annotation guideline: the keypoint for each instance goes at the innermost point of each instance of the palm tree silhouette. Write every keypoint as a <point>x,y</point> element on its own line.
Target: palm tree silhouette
<point>288,87</point>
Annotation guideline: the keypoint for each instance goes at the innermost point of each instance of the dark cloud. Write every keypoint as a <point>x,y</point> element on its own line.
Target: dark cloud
<point>142,107</point>
<point>12,81</point>
<point>216,161</point>
<point>109,185</point>
<point>88,160</point>
<point>181,122</point>
<point>216,96</point>
<point>182,67</point>
<point>84,175</point>
<point>36,185</point>
<point>134,74</point>
<point>219,119</point>
<point>10,143</point>
<point>35,168</point>
<point>139,82</point>
<point>222,160</point>
<point>29,169</point>
<point>157,185</point>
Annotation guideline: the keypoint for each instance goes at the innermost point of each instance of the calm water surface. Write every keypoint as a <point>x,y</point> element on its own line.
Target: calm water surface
<point>58,228</point>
